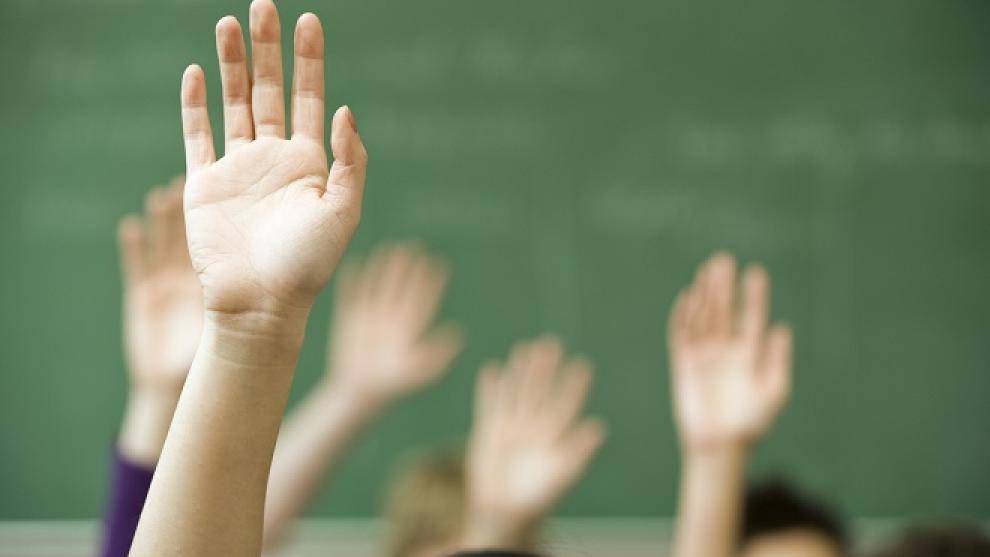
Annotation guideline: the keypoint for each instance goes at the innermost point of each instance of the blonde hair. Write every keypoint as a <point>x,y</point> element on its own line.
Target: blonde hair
<point>426,503</point>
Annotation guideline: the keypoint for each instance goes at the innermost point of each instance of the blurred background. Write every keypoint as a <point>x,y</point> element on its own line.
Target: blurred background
<point>573,160</point>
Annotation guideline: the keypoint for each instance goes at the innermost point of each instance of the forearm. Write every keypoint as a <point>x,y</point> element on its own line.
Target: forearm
<point>207,497</point>
<point>712,483</point>
<point>147,417</point>
<point>311,443</point>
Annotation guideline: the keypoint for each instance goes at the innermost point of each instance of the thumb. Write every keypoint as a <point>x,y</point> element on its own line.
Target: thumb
<point>439,349</point>
<point>350,159</point>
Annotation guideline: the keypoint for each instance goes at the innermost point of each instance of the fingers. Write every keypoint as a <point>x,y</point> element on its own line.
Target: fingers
<point>238,125</point>
<point>167,238</point>
<point>394,273</point>
<point>348,282</point>
<point>370,275</point>
<point>755,304</point>
<point>677,322</point>
<point>572,393</point>
<point>695,305</point>
<point>581,445</point>
<point>516,369</point>
<point>130,244</point>
<point>486,393</point>
<point>267,92</point>
<point>721,292</point>
<point>157,217</point>
<point>307,79</point>
<point>422,290</point>
<point>350,159</point>
<point>196,121</point>
<point>777,359</point>
<point>177,183</point>
<point>538,373</point>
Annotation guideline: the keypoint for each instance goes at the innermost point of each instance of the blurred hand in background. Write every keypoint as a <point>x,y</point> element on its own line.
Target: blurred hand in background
<point>162,319</point>
<point>383,346</point>
<point>529,443</point>
<point>730,377</point>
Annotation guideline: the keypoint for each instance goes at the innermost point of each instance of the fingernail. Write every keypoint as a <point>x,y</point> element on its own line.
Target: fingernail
<point>350,118</point>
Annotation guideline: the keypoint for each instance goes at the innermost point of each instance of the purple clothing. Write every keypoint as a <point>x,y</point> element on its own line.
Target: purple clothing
<point>129,484</point>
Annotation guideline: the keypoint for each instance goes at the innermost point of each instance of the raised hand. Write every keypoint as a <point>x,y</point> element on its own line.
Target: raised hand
<point>266,225</point>
<point>731,376</point>
<point>163,320</point>
<point>381,345</point>
<point>163,307</point>
<point>268,221</point>
<point>529,443</point>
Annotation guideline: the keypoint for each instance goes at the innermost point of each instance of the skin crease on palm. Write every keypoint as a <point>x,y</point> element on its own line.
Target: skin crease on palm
<point>794,543</point>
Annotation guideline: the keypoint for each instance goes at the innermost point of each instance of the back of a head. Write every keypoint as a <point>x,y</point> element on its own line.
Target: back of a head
<point>944,541</point>
<point>776,512</point>
<point>425,506</point>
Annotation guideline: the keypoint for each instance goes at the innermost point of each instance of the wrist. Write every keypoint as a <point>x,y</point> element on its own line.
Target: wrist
<point>147,417</point>
<point>725,450</point>
<point>255,339</point>
<point>712,476</point>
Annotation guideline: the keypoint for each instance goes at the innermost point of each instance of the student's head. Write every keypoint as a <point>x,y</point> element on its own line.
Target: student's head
<point>780,521</point>
<point>946,541</point>
<point>425,507</point>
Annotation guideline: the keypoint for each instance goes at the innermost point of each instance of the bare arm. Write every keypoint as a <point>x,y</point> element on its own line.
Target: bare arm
<point>266,225</point>
<point>382,348</point>
<point>730,378</point>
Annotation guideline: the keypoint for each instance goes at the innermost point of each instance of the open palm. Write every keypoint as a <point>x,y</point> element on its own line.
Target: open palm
<point>530,443</point>
<point>268,222</point>
<point>382,346</point>
<point>163,310</point>
<point>730,376</point>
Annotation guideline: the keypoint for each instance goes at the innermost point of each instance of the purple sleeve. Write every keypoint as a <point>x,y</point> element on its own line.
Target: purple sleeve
<point>129,485</point>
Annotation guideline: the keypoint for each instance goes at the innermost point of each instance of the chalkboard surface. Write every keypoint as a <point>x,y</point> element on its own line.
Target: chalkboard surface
<point>573,160</point>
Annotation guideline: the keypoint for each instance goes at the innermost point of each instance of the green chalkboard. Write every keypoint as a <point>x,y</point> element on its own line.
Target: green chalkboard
<point>574,160</point>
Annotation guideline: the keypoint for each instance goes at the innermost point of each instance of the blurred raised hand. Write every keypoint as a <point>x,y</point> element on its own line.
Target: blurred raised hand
<point>383,343</point>
<point>731,374</point>
<point>163,307</point>
<point>383,346</point>
<point>162,320</point>
<point>529,443</point>
<point>268,221</point>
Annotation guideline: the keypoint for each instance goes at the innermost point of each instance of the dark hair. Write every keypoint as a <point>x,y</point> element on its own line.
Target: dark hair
<point>775,506</point>
<point>943,541</point>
